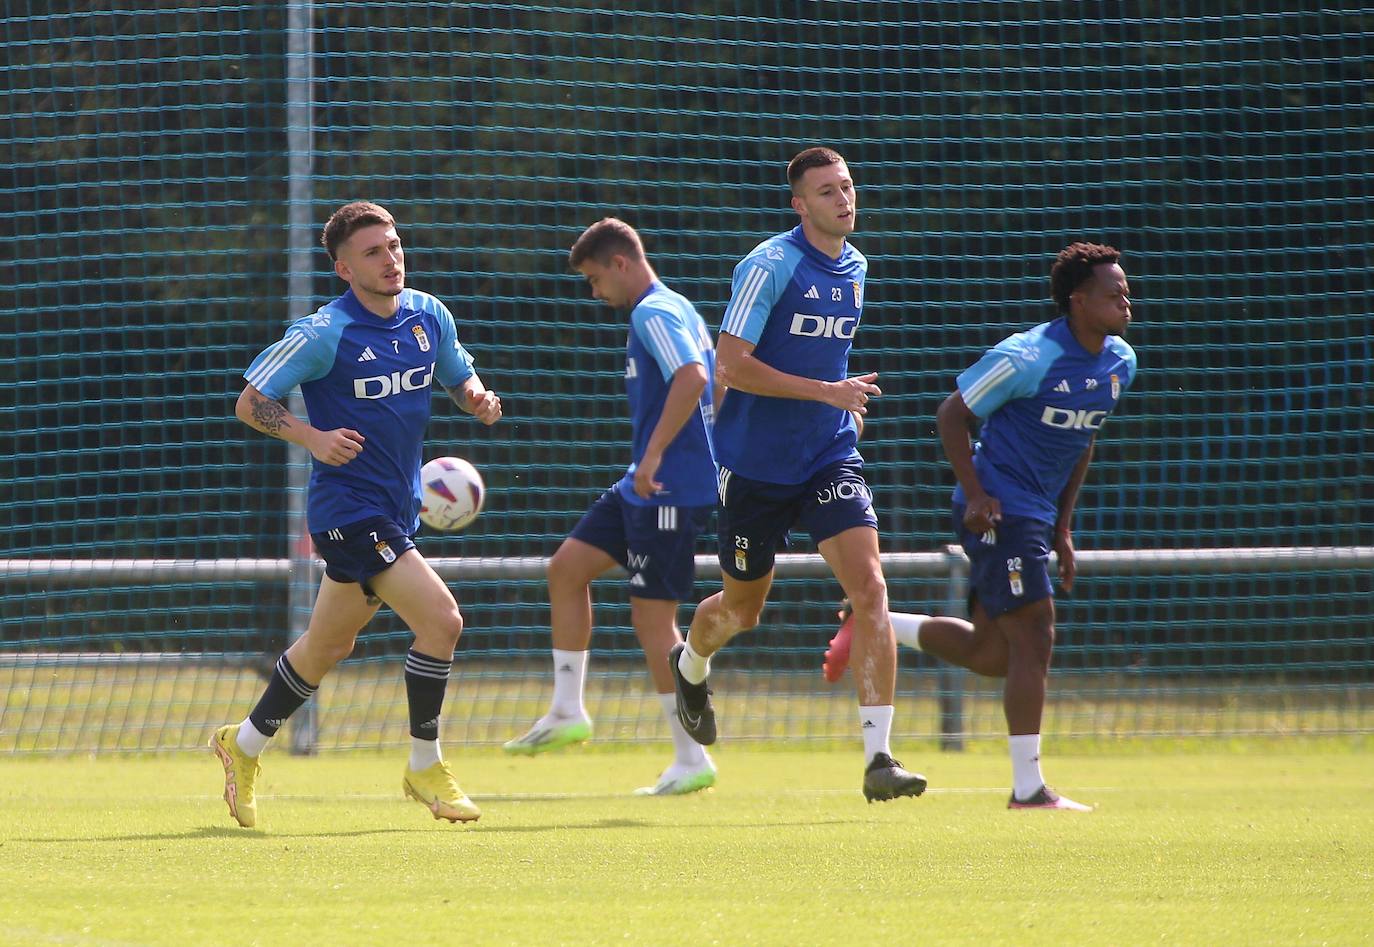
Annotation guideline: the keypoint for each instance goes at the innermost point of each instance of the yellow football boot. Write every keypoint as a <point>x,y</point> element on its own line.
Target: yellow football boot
<point>240,775</point>
<point>437,790</point>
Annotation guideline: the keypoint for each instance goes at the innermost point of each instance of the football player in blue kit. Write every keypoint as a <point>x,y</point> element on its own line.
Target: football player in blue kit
<point>366,364</point>
<point>785,446</point>
<point>1036,402</point>
<point>649,521</point>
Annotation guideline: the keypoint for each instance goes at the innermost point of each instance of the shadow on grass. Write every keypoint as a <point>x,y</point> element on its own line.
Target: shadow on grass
<point>221,832</point>
<point>636,824</point>
<point>261,835</point>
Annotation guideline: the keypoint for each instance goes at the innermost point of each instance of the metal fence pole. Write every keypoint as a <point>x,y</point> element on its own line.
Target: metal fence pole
<point>300,145</point>
<point>951,677</point>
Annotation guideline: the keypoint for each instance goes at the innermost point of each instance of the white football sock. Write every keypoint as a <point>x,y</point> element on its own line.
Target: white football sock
<point>1025,765</point>
<point>687,751</point>
<point>251,740</point>
<point>875,724</point>
<point>693,666</point>
<point>423,753</point>
<point>907,628</point>
<point>569,680</point>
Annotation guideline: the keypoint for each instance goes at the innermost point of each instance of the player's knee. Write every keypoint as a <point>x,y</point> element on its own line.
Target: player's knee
<point>442,632</point>
<point>557,573</point>
<point>453,626</point>
<point>332,652</point>
<point>741,615</point>
<point>566,575</point>
<point>869,599</point>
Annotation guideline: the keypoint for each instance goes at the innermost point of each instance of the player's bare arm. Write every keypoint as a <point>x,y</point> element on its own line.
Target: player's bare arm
<point>957,425</point>
<point>736,367</point>
<point>683,398</point>
<point>1063,525</point>
<point>474,398</point>
<point>271,417</point>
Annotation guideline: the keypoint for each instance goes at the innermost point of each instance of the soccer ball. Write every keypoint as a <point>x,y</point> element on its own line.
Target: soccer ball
<point>451,493</point>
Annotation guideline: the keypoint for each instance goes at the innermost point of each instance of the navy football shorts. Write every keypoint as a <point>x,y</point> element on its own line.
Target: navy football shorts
<point>756,517</point>
<point>656,544</point>
<point>1009,566</point>
<point>358,551</point>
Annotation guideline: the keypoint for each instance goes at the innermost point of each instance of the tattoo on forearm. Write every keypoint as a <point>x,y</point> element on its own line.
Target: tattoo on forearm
<point>269,415</point>
<point>455,395</point>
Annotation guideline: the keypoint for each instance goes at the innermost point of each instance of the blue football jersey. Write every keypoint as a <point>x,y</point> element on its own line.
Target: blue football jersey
<point>667,333</point>
<point>357,370</point>
<point>1042,397</point>
<point>800,309</point>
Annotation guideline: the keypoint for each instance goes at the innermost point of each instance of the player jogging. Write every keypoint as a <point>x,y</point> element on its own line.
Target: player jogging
<point>649,520</point>
<point>785,445</point>
<point>1040,397</point>
<point>366,363</point>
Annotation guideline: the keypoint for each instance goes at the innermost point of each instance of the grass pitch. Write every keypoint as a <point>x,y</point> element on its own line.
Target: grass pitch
<point>1271,843</point>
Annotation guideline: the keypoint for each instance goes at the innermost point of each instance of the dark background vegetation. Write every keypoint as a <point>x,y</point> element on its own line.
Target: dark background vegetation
<point>1228,156</point>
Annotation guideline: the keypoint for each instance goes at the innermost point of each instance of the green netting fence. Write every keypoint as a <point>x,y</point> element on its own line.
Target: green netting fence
<point>166,167</point>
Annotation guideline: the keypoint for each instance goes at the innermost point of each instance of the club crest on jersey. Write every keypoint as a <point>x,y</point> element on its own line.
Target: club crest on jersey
<point>420,337</point>
<point>773,253</point>
<point>858,294</point>
<point>1116,388</point>
<point>386,552</point>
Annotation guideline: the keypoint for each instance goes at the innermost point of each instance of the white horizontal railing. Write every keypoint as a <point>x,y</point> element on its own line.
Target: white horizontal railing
<point>98,572</point>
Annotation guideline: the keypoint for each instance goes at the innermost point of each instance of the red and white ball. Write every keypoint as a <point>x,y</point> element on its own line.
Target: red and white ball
<point>451,493</point>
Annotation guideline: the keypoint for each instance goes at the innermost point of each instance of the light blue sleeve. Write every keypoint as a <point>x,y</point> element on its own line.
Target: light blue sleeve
<point>452,363</point>
<point>1012,369</point>
<point>305,353</point>
<point>668,338</point>
<point>760,278</point>
<point>1128,356</point>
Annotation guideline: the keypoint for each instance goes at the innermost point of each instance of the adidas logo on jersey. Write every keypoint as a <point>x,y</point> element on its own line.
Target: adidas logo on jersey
<point>637,580</point>
<point>1063,386</point>
<point>812,294</point>
<point>367,356</point>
